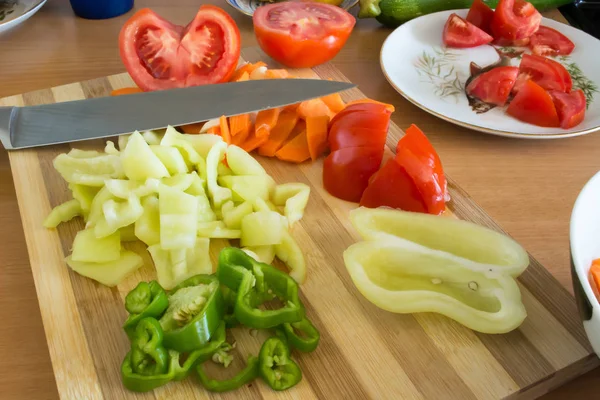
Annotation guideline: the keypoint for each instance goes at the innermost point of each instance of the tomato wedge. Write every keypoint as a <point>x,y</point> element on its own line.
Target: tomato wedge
<point>515,19</point>
<point>480,15</point>
<point>160,55</point>
<point>360,127</point>
<point>393,187</point>
<point>493,86</point>
<point>550,42</point>
<point>346,172</point>
<point>570,107</point>
<point>534,105</point>
<point>549,74</point>
<point>417,156</point>
<point>302,34</point>
<point>463,34</point>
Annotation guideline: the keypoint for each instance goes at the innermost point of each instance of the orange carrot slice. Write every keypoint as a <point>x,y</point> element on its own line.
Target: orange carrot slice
<point>192,128</point>
<point>239,124</point>
<point>334,102</point>
<point>126,90</point>
<point>313,108</point>
<point>594,277</point>
<point>280,133</point>
<point>225,134</point>
<point>242,136</point>
<point>214,130</point>
<point>247,68</point>
<point>253,142</point>
<point>316,135</point>
<point>277,74</point>
<point>295,150</point>
<point>265,121</point>
<point>388,106</point>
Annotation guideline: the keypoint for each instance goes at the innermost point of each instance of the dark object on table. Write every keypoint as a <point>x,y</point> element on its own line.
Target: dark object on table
<point>584,15</point>
<point>100,9</point>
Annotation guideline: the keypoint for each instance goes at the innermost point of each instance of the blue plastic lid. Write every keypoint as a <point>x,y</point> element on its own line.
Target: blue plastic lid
<point>100,9</point>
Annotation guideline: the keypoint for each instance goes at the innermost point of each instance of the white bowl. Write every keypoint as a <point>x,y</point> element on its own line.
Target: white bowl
<point>585,247</point>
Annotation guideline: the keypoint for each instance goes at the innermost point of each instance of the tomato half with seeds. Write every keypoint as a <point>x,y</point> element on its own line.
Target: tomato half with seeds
<point>550,42</point>
<point>515,19</point>
<point>534,105</point>
<point>549,74</point>
<point>160,55</point>
<point>302,34</point>
<point>460,33</point>
<point>480,15</point>
<point>570,107</point>
<point>493,86</point>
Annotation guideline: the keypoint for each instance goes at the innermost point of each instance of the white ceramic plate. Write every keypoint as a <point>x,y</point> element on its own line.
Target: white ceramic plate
<point>418,65</point>
<point>17,12</point>
<point>248,6</point>
<point>585,247</point>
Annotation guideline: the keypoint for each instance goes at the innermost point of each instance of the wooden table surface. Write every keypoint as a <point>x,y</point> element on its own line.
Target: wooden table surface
<point>529,187</point>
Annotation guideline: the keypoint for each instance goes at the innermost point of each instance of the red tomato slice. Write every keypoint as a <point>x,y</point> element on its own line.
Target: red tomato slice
<point>393,187</point>
<point>480,15</point>
<point>494,86</point>
<point>346,172</point>
<point>534,105</point>
<point>377,108</point>
<point>357,128</point>
<point>515,19</point>
<point>549,74</point>
<point>417,156</point>
<point>570,107</point>
<point>462,34</point>
<point>550,42</point>
<point>302,34</point>
<point>159,55</point>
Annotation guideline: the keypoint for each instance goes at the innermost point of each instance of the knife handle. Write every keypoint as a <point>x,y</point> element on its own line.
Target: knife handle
<point>7,116</point>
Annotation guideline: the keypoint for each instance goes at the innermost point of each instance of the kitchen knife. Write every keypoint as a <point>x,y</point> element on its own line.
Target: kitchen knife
<point>71,121</point>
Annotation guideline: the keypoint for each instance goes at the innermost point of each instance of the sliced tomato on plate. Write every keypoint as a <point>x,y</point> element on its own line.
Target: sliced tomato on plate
<point>160,55</point>
<point>302,34</point>
<point>550,42</point>
<point>392,186</point>
<point>534,105</point>
<point>549,74</point>
<point>463,34</point>
<point>346,172</point>
<point>493,86</point>
<point>359,126</point>
<point>570,107</point>
<point>515,19</point>
<point>480,15</point>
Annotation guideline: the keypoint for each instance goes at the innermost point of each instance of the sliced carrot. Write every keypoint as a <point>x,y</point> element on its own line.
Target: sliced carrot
<point>242,136</point>
<point>388,106</point>
<point>265,121</point>
<point>280,133</point>
<point>224,125</point>
<point>192,128</point>
<point>126,90</point>
<point>247,68</point>
<point>238,124</point>
<point>291,107</point>
<point>334,102</point>
<point>214,130</point>
<point>277,74</point>
<point>313,108</point>
<point>253,142</point>
<point>295,150</point>
<point>316,135</point>
<point>244,77</point>
<point>594,277</point>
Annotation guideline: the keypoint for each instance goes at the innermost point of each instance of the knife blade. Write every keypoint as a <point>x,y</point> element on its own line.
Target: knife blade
<point>71,121</point>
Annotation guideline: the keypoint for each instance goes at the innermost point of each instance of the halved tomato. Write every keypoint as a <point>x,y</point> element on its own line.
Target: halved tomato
<point>160,55</point>
<point>393,187</point>
<point>480,15</point>
<point>550,42</point>
<point>534,105</point>
<point>462,34</point>
<point>570,107</point>
<point>346,172</point>
<point>549,74</point>
<point>494,86</point>
<point>363,126</point>
<point>515,19</point>
<point>302,34</point>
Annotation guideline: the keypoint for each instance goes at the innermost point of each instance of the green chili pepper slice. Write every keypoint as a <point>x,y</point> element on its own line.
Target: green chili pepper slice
<point>276,367</point>
<point>229,296</point>
<point>148,356</point>
<point>248,374</point>
<point>201,355</point>
<point>307,340</point>
<point>145,383</point>
<point>147,299</point>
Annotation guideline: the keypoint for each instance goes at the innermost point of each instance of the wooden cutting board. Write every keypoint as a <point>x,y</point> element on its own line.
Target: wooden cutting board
<point>365,352</point>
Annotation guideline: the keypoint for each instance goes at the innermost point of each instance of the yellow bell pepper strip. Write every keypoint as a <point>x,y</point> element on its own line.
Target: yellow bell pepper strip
<point>256,283</point>
<point>147,299</point>
<point>195,311</point>
<point>404,277</point>
<point>62,213</point>
<point>276,367</point>
<point>302,335</point>
<point>245,376</point>
<point>486,248</point>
